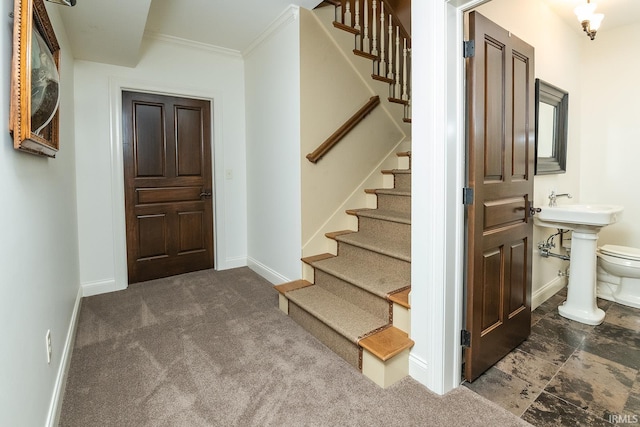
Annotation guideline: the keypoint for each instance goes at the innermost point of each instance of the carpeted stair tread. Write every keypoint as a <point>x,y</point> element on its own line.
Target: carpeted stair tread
<point>390,192</point>
<point>396,171</point>
<point>345,318</point>
<point>400,249</point>
<point>367,276</point>
<point>384,214</point>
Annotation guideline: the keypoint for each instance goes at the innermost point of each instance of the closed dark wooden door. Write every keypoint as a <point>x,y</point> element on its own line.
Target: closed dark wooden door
<point>168,186</point>
<point>500,161</point>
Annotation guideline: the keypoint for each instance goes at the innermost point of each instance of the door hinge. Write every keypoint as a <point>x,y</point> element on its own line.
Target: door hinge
<point>469,48</point>
<point>467,196</point>
<point>465,338</point>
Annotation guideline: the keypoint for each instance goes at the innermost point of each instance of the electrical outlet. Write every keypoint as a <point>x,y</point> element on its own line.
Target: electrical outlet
<point>48,338</point>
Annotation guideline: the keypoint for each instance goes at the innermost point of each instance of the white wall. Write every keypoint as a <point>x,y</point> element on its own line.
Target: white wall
<point>272,85</point>
<point>557,61</point>
<point>610,135</point>
<point>39,278</point>
<point>166,66</point>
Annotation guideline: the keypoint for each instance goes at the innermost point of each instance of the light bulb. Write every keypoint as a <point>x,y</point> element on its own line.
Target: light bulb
<point>585,11</point>
<point>595,21</point>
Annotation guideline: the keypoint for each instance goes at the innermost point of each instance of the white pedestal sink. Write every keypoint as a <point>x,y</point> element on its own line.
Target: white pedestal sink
<point>585,220</point>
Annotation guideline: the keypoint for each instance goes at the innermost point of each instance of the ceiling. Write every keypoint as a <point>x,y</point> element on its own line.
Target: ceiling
<point>111,31</point>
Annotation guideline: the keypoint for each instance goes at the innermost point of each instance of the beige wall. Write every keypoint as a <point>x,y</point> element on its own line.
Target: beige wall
<point>610,136</point>
<point>332,91</point>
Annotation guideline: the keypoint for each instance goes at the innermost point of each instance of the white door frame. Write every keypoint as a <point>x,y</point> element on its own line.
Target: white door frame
<point>438,147</point>
<point>116,86</point>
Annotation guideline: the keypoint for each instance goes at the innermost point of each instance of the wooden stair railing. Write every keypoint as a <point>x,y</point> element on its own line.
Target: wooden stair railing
<point>382,34</point>
<point>343,130</point>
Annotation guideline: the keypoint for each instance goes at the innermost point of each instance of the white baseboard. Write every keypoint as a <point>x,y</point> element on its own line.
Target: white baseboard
<point>99,287</point>
<point>266,272</point>
<point>230,263</point>
<point>65,361</point>
<point>418,370</point>
<point>547,291</point>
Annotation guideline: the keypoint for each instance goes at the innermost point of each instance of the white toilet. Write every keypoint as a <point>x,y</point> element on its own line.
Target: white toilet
<point>618,274</point>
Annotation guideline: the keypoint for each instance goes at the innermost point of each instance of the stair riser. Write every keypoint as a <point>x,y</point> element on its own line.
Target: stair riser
<point>402,181</point>
<point>375,305</point>
<point>329,337</point>
<point>400,268</point>
<point>390,230</point>
<point>394,203</point>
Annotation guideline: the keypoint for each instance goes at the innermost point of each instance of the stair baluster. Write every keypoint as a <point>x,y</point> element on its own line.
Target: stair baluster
<point>365,36</point>
<point>390,50</point>
<point>374,31</point>
<point>347,14</point>
<point>405,96</point>
<point>382,68</point>
<point>396,88</point>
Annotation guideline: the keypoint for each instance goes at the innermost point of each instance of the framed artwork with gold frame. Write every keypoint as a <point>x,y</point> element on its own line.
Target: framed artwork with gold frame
<point>35,80</point>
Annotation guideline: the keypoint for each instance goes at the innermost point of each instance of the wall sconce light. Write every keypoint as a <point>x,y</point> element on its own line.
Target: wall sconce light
<point>64,2</point>
<point>590,21</point>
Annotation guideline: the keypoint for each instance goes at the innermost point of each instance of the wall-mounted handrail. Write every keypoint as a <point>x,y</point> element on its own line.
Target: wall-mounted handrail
<point>343,130</point>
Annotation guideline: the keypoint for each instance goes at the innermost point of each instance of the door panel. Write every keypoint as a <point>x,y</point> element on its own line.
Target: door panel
<point>500,83</point>
<point>167,162</point>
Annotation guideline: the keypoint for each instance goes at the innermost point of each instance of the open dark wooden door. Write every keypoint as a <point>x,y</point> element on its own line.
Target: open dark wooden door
<point>500,161</point>
<point>167,168</point>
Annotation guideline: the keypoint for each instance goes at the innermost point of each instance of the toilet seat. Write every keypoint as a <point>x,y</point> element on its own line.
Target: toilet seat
<point>632,254</point>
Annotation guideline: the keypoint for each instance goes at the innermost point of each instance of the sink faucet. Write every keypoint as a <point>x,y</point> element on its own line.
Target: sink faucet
<point>553,196</point>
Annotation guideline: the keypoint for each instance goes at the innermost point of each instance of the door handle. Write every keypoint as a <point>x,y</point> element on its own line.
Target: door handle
<point>205,195</point>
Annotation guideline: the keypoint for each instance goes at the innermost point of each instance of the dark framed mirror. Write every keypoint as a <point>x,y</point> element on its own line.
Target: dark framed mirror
<point>552,117</point>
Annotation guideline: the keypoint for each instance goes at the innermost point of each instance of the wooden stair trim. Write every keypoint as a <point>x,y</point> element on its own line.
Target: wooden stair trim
<point>398,101</point>
<point>404,154</point>
<point>346,28</point>
<point>335,3</point>
<point>366,55</point>
<point>334,234</point>
<point>292,286</point>
<point>370,190</point>
<point>343,130</point>
<point>387,343</point>
<point>315,258</point>
<point>382,214</point>
<point>381,79</point>
<point>406,120</point>
<point>401,298</point>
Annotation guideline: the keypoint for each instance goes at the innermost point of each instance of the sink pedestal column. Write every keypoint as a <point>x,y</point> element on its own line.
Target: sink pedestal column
<point>581,291</point>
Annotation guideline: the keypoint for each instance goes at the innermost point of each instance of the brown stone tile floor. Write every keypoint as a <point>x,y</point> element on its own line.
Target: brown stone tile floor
<point>570,374</point>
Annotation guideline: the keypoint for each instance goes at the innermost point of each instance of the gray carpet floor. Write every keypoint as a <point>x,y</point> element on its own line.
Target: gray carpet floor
<point>212,349</point>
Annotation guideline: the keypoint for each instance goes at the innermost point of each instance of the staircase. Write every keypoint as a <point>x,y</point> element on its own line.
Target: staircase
<point>358,302</point>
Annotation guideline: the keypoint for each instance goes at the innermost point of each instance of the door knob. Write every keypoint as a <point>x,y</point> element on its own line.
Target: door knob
<point>534,211</point>
<point>205,195</point>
